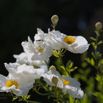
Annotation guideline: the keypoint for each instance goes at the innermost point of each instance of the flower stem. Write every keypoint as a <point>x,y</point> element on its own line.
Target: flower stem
<point>63,65</point>
<point>43,94</point>
<point>96,50</point>
<point>46,63</point>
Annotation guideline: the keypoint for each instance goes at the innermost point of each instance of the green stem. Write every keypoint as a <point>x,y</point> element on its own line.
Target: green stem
<point>96,58</point>
<point>43,94</point>
<point>96,51</point>
<point>47,64</point>
<point>95,54</point>
<point>63,65</point>
<point>12,94</point>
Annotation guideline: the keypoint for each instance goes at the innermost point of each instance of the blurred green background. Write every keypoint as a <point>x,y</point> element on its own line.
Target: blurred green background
<point>21,18</point>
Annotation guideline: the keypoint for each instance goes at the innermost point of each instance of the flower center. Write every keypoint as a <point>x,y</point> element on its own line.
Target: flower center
<point>40,49</point>
<point>12,82</point>
<point>65,82</point>
<point>69,40</point>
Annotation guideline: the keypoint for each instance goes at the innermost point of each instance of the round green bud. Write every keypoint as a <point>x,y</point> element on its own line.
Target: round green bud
<point>98,26</point>
<point>52,67</point>
<point>54,19</point>
<point>55,80</point>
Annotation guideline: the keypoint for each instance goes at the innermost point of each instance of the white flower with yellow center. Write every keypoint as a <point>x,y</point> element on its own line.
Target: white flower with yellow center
<point>40,49</point>
<point>25,58</point>
<point>74,44</point>
<point>19,85</point>
<point>53,78</point>
<point>67,84</point>
<point>72,87</point>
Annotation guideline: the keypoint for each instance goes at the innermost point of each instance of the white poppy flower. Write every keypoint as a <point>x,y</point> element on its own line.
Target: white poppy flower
<point>53,78</point>
<point>25,58</point>
<point>40,49</point>
<point>24,69</point>
<point>18,85</point>
<point>68,84</point>
<point>74,44</point>
<point>72,87</point>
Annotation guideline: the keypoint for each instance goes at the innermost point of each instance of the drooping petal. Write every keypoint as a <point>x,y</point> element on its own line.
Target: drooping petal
<point>75,92</point>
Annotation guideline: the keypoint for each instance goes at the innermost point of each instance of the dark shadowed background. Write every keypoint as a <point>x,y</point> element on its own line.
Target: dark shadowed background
<point>21,18</point>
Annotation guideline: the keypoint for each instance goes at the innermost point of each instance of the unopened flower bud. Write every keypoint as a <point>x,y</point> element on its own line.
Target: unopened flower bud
<point>55,80</point>
<point>98,26</point>
<point>52,67</point>
<point>54,19</point>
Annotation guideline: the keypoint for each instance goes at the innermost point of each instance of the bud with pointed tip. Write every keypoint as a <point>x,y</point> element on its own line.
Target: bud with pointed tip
<point>54,19</point>
<point>98,26</point>
<point>55,80</point>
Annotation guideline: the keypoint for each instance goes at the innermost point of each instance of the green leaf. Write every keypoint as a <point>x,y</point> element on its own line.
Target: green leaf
<point>74,68</point>
<point>97,33</point>
<point>98,78</point>
<point>63,67</point>
<point>98,55</point>
<point>85,99</point>
<point>68,64</point>
<point>102,61</point>
<point>94,45</point>
<point>55,53</point>
<point>71,99</point>
<point>66,74</point>
<point>84,64</point>
<point>100,42</point>
<point>92,62</point>
<point>88,60</point>
<point>92,38</point>
<point>76,101</point>
<point>14,98</point>
<point>93,55</point>
<point>97,94</point>
<point>27,97</point>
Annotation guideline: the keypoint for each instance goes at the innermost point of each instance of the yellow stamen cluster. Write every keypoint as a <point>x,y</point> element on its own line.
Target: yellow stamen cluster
<point>40,49</point>
<point>12,82</point>
<point>65,82</point>
<point>69,40</point>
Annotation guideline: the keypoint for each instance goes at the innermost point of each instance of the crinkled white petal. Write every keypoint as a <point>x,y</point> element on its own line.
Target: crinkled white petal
<point>75,92</point>
<point>25,89</point>
<point>25,58</point>
<point>40,35</point>
<point>29,71</point>
<point>73,82</point>
<point>28,47</point>
<point>3,80</point>
<point>74,88</point>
